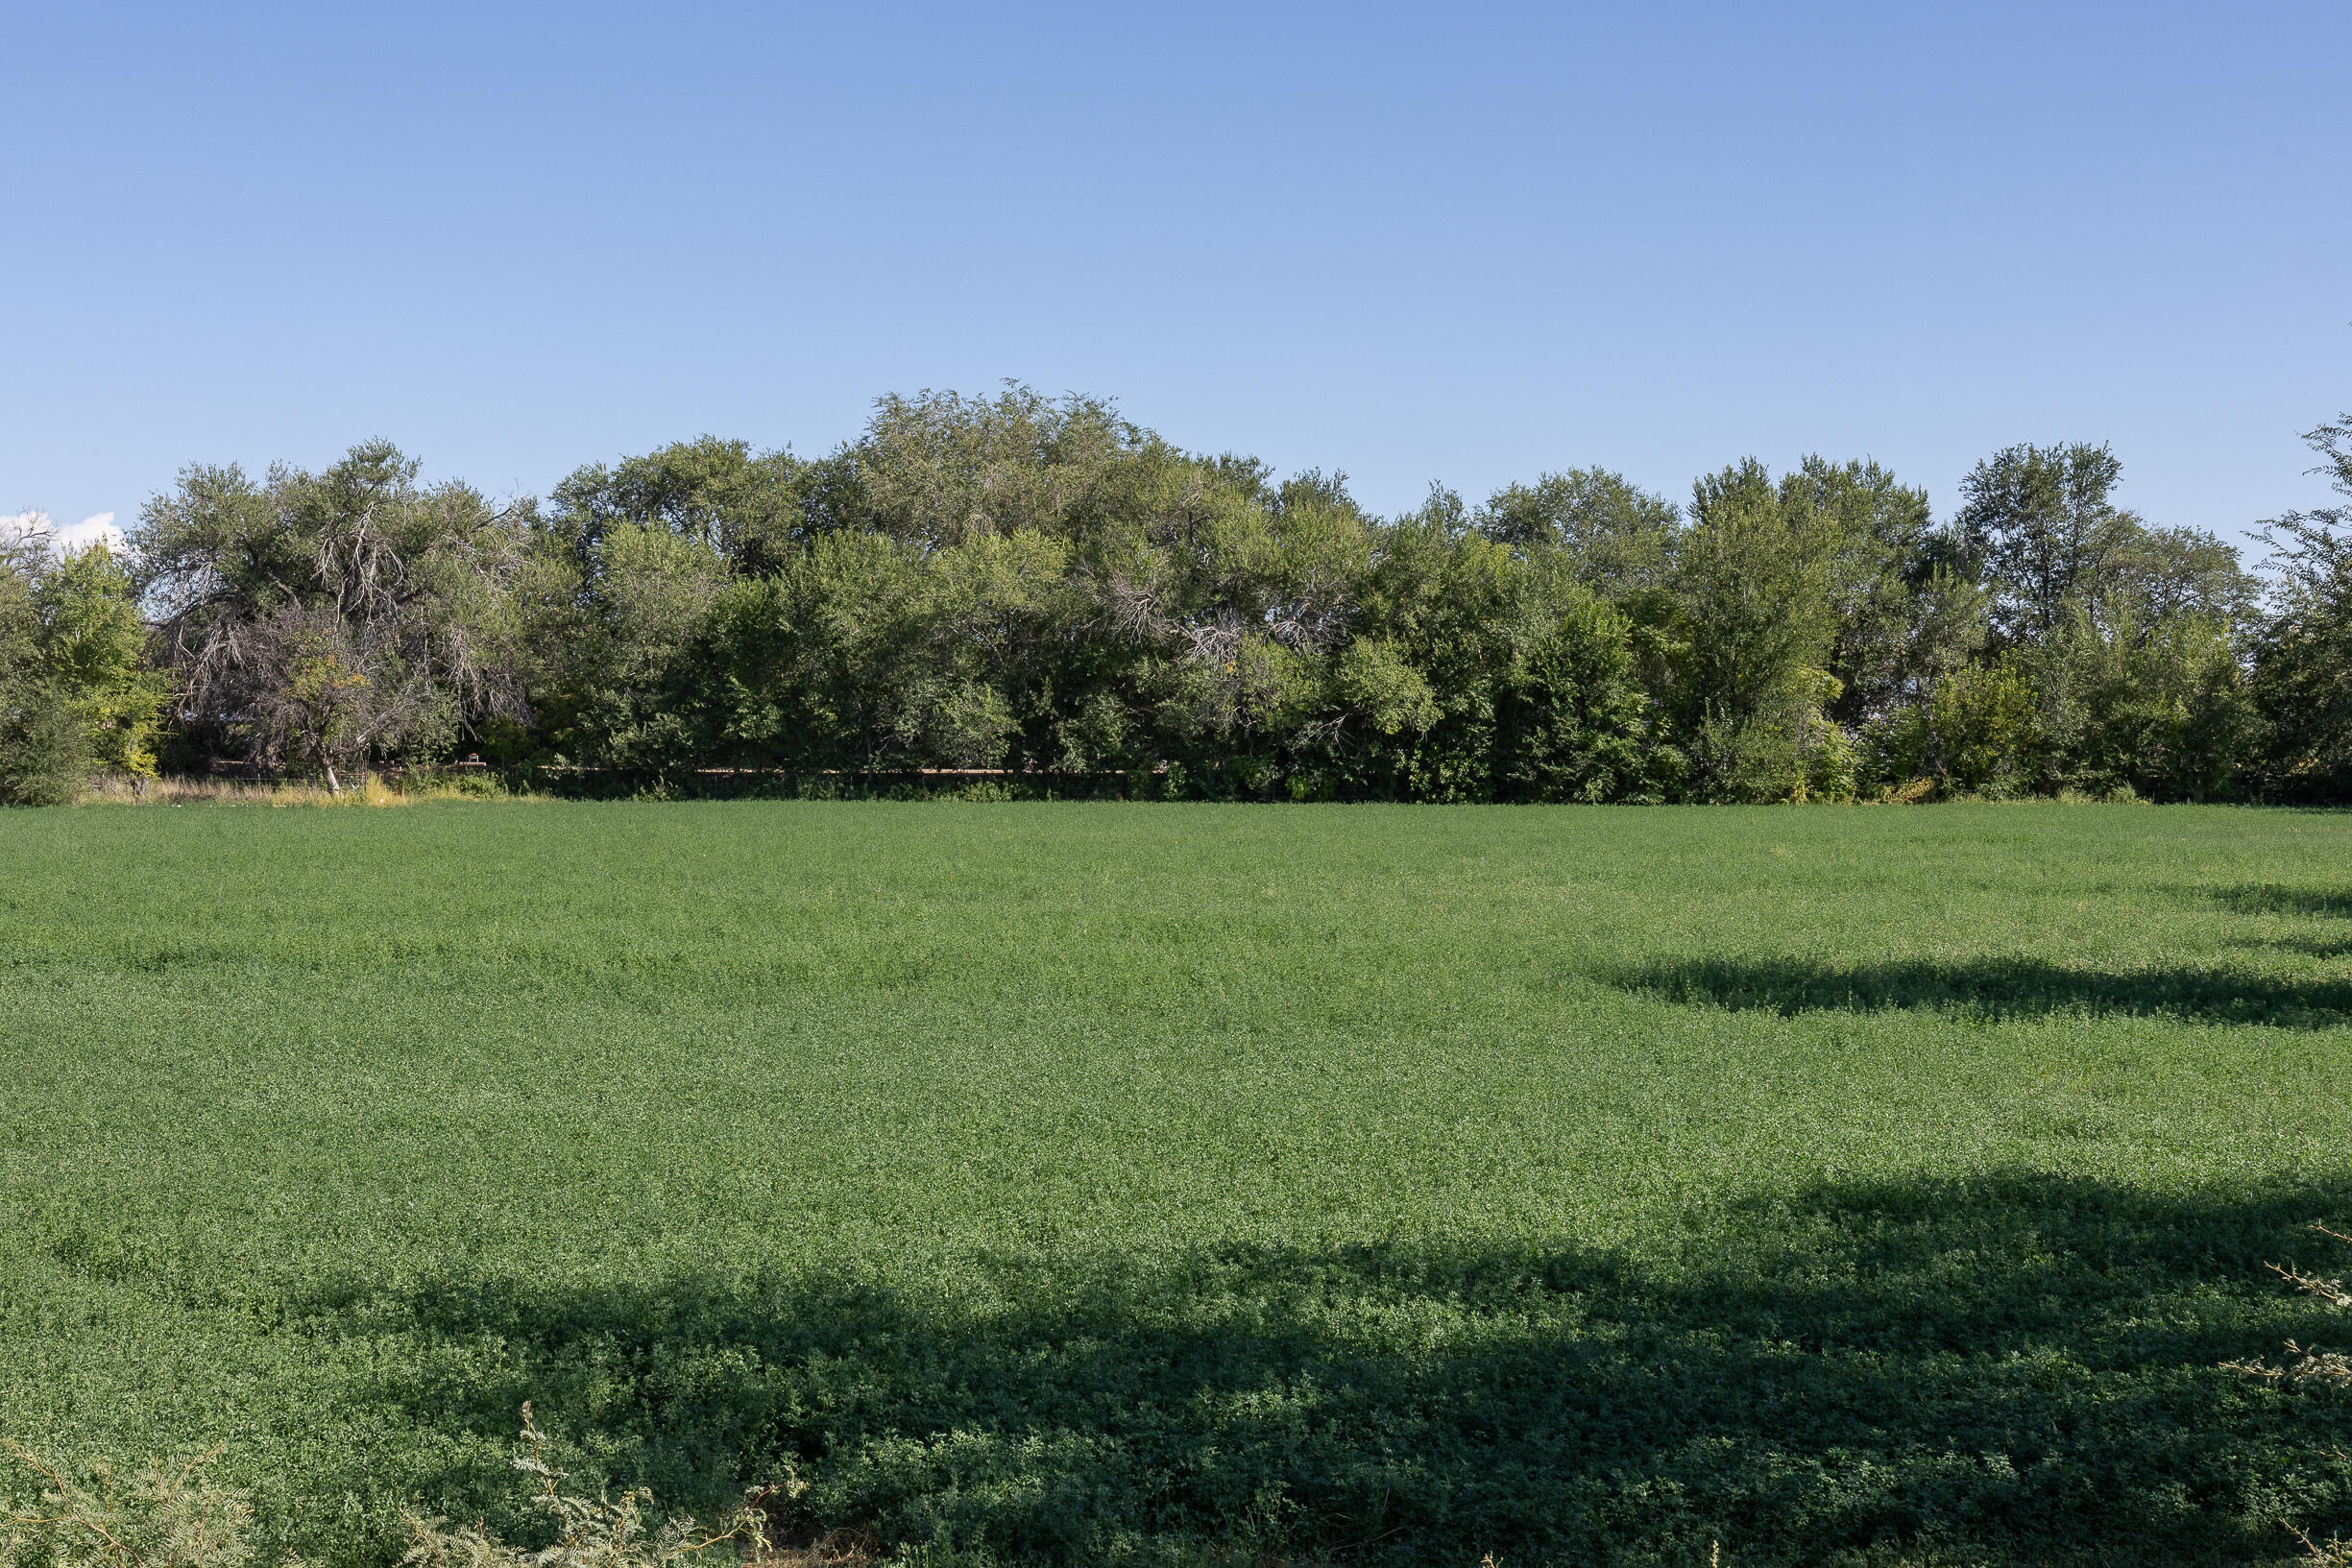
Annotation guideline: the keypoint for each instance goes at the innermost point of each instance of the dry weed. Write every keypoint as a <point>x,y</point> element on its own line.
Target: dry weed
<point>165,1517</point>
<point>2311,1365</point>
<point>591,1532</point>
<point>370,790</point>
<point>171,1516</point>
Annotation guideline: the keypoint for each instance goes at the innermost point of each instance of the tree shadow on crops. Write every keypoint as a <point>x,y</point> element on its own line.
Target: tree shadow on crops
<point>2275,898</point>
<point>2271,898</point>
<point>2316,947</point>
<point>1996,988</point>
<point>2011,1369</point>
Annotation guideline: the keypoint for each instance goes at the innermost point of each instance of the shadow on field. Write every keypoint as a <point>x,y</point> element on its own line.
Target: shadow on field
<point>2273,899</point>
<point>2012,1370</point>
<point>2317,947</point>
<point>1996,988</point>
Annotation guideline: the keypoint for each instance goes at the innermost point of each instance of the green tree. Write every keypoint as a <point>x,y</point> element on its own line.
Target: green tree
<point>94,644</point>
<point>616,631</point>
<point>938,467</point>
<point>2041,525</point>
<point>2165,573</point>
<point>1752,583</point>
<point>1616,539</point>
<point>321,621</point>
<point>750,509</point>
<point>44,751</point>
<point>1574,722</point>
<point>1977,731</point>
<point>821,661</point>
<point>76,693</point>
<point>1907,610</point>
<point>2302,679</point>
<point>2160,706</point>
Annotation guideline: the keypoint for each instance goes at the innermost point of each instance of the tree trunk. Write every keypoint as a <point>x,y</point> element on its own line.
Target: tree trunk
<point>334,786</point>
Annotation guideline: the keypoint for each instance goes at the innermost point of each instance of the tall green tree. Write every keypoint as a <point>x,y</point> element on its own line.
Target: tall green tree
<point>2302,678</point>
<point>2156,704</point>
<point>1906,610</point>
<point>1753,582</point>
<point>318,621</point>
<point>2041,525</point>
<point>614,632</point>
<point>1615,538</point>
<point>1573,721</point>
<point>95,644</point>
<point>751,508</point>
<point>77,692</point>
<point>44,753</point>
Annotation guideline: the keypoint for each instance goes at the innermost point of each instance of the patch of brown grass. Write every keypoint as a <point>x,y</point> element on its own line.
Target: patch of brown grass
<point>368,789</point>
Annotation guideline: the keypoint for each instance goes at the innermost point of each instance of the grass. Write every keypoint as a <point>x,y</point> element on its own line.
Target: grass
<point>1096,1183</point>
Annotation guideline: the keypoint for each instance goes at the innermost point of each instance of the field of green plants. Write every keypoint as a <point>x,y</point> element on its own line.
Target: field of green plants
<point>1091,1183</point>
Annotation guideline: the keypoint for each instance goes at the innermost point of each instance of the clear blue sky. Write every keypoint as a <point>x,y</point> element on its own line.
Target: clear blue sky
<point>1454,243</point>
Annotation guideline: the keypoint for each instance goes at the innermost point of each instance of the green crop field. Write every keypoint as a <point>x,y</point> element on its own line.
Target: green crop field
<point>1105,1183</point>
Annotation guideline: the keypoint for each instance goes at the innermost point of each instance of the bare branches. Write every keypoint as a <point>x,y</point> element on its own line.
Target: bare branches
<point>2311,1364</point>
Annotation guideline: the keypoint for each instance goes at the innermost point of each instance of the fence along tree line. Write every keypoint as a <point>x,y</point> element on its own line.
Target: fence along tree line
<point>1041,587</point>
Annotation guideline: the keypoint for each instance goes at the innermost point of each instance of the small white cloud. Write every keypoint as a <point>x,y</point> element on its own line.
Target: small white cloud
<point>38,527</point>
<point>89,531</point>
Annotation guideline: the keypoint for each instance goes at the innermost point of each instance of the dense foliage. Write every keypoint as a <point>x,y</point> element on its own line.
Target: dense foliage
<point>2303,659</point>
<point>77,692</point>
<point>332,617</point>
<point>1042,589</point>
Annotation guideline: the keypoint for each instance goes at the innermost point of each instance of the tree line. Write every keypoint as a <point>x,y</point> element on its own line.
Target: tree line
<point>1041,587</point>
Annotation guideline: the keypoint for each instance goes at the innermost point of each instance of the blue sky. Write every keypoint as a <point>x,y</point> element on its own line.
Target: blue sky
<point>1457,243</point>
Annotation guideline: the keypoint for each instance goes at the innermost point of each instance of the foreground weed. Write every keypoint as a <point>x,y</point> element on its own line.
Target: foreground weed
<point>165,1517</point>
<point>2312,1365</point>
<point>600,1531</point>
<point>2311,1368</point>
<point>172,1516</point>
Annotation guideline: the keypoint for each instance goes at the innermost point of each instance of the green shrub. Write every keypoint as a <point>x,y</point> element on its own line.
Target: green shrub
<point>44,751</point>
